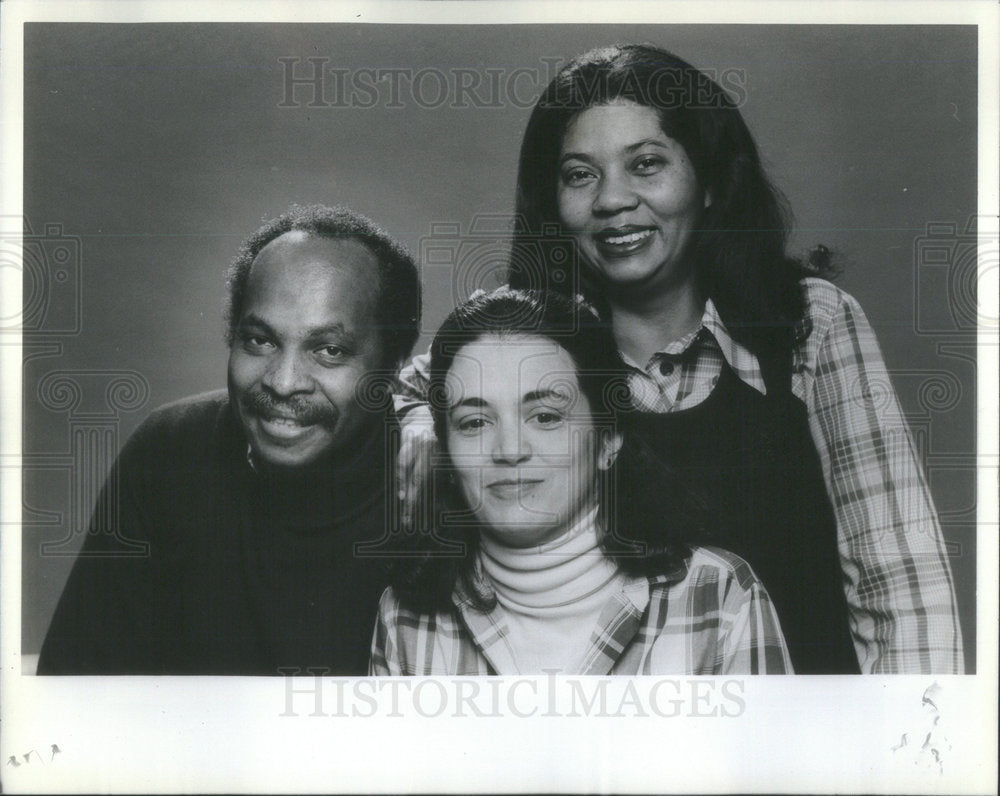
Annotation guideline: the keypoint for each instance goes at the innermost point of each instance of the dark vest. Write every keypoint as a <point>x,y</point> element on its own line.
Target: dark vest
<point>755,466</point>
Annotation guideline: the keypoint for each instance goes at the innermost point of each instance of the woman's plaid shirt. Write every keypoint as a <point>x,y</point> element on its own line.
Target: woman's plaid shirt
<point>895,565</point>
<point>710,616</point>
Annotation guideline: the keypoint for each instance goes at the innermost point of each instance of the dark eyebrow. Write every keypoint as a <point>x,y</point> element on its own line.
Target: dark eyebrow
<point>468,402</point>
<point>335,329</point>
<point>530,397</point>
<point>573,156</point>
<point>645,142</point>
<point>544,395</point>
<point>255,320</point>
<point>629,148</point>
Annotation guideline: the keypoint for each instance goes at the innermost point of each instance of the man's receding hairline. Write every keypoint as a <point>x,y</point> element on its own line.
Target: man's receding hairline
<point>374,266</point>
<point>396,286</point>
<point>375,287</point>
<point>302,235</point>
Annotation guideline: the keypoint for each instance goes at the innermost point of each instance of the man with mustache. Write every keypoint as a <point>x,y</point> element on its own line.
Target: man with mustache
<point>255,503</point>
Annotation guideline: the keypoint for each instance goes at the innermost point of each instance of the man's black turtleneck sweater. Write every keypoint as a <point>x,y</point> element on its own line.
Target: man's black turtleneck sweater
<point>246,572</point>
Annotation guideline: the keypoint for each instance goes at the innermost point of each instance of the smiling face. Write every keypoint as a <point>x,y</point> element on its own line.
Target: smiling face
<point>305,337</point>
<point>629,195</point>
<point>521,437</point>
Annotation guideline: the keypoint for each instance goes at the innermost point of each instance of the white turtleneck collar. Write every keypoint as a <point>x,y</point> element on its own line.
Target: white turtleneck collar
<point>552,593</point>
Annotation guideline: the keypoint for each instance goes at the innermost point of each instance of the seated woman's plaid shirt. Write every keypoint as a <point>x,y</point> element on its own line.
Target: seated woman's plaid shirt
<point>709,616</point>
<point>897,577</point>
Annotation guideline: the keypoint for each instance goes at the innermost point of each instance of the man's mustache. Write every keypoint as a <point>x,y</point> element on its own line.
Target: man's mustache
<point>303,411</point>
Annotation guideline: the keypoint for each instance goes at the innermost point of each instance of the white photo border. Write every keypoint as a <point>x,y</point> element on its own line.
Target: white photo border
<point>818,734</point>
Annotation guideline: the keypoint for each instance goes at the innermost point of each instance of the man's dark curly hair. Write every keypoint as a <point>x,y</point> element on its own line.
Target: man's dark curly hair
<point>398,307</point>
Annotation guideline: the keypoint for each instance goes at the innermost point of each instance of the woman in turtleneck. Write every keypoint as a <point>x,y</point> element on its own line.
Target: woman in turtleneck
<point>520,566</point>
<point>551,594</point>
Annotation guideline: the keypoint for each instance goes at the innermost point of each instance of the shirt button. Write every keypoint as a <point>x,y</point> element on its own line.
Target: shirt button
<point>666,368</point>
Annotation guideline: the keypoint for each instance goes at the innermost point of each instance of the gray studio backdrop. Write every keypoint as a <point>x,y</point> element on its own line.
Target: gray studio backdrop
<point>151,150</point>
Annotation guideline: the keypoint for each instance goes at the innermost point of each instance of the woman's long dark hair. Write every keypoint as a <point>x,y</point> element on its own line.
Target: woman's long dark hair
<point>739,246</point>
<point>662,513</point>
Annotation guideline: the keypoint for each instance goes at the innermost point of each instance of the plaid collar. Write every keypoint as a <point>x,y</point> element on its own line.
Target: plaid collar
<point>617,625</point>
<point>712,331</point>
<point>488,629</point>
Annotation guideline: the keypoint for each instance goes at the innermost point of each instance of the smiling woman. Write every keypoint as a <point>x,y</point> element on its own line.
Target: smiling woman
<point>527,565</point>
<point>525,449</point>
<point>629,195</point>
<point>736,347</point>
<point>757,378</point>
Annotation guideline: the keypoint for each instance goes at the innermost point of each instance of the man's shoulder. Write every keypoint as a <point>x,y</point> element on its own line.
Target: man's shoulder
<point>196,420</point>
<point>194,411</point>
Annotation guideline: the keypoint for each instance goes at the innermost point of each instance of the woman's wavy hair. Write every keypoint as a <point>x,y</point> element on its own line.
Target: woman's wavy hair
<point>443,539</point>
<point>739,247</point>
